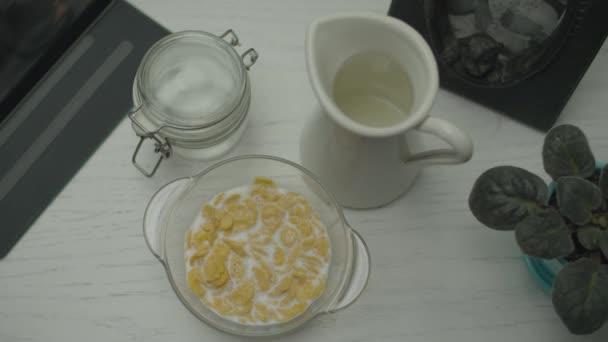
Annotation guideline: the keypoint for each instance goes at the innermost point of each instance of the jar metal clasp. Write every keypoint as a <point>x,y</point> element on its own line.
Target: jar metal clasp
<point>248,57</point>
<point>161,145</point>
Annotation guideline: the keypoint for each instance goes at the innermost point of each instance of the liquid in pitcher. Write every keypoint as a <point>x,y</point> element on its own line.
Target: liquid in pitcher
<point>373,90</point>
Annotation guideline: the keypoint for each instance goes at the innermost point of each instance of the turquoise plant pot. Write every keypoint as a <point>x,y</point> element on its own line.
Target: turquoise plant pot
<point>542,270</point>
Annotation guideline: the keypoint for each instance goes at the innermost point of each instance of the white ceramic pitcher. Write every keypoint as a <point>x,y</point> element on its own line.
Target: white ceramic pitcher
<point>366,166</point>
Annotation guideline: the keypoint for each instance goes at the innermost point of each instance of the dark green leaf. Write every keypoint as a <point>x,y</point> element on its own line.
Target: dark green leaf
<point>566,152</point>
<point>505,195</point>
<point>576,198</point>
<point>580,296</point>
<point>603,184</point>
<point>589,237</point>
<point>600,220</point>
<point>544,235</point>
<point>604,243</point>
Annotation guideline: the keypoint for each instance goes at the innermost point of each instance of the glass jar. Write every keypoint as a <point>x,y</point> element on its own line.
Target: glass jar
<point>191,96</point>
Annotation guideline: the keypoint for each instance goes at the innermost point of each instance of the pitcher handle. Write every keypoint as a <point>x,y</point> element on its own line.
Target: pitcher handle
<point>461,145</point>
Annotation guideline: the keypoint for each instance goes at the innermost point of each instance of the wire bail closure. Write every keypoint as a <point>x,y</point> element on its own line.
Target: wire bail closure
<point>161,145</point>
<point>248,57</point>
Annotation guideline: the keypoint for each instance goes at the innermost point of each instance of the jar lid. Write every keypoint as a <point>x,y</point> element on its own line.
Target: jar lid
<point>191,79</point>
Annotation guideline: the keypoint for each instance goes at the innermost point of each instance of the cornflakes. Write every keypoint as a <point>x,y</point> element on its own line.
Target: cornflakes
<point>264,181</point>
<point>314,270</point>
<point>305,228</point>
<point>189,239</point>
<point>299,272</point>
<point>295,220</point>
<point>243,294</point>
<point>218,199</point>
<point>301,209</point>
<point>282,287</point>
<point>237,247</point>
<point>225,222</point>
<point>232,199</point>
<point>201,236</point>
<point>309,243</point>
<point>253,209</point>
<point>195,277</point>
<point>323,248</point>
<point>263,278</point>
<point>201,252</point>
<point>288,236</point>
<point>257,256</point>
<point>259,250</point>
<point>236,267</point>
<point>303,292</point>
<point>293,311</point>
<point>272,215</point>
<point>208,227</point>
<point>259,238</point>
<point>279,256</point>
<point>242,310</point>
<point>264,266</point>
<point>288,200</point>
<point>221,306</point>
<point>263,313</point>
<point>312,260</point>
<point>270,195</point>
<point>289,296</point>
<point>209,212</point>
<point>221,250</point>
<point>294,254</point>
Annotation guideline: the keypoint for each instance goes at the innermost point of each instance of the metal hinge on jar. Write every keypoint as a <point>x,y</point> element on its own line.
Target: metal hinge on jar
<point>161,144</point>
<point>249,57</point>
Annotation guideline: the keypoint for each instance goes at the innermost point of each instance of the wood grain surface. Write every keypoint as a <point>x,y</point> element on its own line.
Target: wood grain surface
<point>83,271</point>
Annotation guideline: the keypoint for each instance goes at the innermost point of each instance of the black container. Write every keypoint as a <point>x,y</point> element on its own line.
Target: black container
<point>540,80</point>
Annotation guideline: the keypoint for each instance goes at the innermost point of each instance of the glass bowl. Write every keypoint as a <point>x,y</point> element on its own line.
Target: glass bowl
<point>173,208</point>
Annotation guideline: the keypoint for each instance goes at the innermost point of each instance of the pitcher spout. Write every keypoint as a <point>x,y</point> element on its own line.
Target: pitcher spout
<point>333,40</point>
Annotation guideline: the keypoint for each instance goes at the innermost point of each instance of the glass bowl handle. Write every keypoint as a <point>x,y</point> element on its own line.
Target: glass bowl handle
<point>359,274</point>
<point>156,212</point>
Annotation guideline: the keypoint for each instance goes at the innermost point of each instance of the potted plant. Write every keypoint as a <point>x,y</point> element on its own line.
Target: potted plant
<point>567,221</point>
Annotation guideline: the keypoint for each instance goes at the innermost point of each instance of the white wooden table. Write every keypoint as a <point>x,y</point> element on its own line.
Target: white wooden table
<point>84,273</point>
